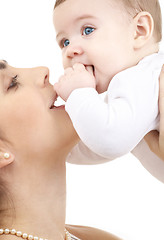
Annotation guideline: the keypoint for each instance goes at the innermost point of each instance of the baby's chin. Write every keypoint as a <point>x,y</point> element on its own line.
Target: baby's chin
<point>102,84</point>
<point>101,88</point>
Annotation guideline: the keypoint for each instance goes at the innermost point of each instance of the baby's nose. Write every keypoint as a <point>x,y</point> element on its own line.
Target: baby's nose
<point>74,50</point>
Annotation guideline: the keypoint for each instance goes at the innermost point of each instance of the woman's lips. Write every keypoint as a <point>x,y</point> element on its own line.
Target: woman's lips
<point>56,104</point>
<point>52,103</point>
<point>58,107</point>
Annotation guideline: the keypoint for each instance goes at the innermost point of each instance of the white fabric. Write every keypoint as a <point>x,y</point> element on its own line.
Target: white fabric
<point>113,124</point>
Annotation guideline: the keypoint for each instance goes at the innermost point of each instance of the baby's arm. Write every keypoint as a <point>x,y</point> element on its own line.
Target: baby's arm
<point>115,127</point>
<point>155,139</point>
<point>82,155</point>
<point>74,77</point>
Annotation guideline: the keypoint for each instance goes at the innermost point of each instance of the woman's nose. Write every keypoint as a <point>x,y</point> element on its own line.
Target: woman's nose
<point>41,76</point>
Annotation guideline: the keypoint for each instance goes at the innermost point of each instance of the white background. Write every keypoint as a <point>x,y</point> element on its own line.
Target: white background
<point>121,196</point>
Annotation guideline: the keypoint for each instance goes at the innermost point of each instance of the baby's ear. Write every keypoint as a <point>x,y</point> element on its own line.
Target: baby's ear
<point>5,158</point>
<point>143,29</point>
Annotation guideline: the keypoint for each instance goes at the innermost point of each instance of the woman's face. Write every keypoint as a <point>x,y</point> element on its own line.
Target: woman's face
<point>27,121</point>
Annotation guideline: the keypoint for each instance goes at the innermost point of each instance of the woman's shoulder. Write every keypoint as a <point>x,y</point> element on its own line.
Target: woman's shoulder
<point>89,233</point>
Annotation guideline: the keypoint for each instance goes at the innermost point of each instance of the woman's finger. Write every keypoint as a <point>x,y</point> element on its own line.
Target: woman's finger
<point>161,102</point>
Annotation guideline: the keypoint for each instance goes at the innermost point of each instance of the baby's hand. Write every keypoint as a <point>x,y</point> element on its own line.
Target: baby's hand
<point>74,77</point>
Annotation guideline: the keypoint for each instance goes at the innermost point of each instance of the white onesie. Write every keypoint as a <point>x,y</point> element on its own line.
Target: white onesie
<point>114,123</point>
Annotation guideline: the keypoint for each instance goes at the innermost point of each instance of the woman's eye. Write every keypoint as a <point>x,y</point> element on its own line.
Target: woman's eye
<point>66,43</point>
<point>88,30</point>
<point>14,83</point>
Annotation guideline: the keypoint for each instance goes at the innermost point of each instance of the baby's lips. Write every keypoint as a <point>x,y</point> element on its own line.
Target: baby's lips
<point>90,69</point>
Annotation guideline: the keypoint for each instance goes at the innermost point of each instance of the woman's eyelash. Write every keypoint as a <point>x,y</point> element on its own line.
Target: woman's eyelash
<point>14,83</point>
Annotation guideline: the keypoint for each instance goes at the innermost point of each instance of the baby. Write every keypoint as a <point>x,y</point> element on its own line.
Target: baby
<point>111,47</point>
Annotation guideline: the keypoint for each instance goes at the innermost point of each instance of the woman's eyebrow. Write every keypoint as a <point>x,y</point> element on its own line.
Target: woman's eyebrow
<point>3,64</point>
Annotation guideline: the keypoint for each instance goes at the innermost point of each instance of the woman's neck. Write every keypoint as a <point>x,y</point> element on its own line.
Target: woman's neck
<point>39,195</point>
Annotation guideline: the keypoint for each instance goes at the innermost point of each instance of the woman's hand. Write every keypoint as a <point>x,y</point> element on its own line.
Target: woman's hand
<point>155,139</point>
<point>89,233</point>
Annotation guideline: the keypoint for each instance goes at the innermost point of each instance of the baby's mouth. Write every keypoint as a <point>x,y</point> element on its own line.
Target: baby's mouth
<point>93,69</point>
<point>90,69</point>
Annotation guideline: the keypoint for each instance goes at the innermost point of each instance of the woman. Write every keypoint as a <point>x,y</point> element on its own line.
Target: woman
<point>35,138</point>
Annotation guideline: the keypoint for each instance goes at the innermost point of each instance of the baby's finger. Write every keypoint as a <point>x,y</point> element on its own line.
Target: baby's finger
<point>56,87</point>
<point>68,70</point>
<point>78,66</point>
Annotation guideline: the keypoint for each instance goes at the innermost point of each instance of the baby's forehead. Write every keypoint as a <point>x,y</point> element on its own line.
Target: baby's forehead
<point>70,13</point>
<point>75,7</point>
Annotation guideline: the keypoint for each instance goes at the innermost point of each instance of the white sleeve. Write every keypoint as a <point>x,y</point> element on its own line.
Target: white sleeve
<point>113,128</point>
<point>82,155</point>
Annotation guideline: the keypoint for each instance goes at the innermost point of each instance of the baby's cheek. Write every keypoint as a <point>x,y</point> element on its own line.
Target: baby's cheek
<point>66,62</point>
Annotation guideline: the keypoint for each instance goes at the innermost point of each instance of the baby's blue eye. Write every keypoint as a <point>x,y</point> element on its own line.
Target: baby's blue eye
<point>66,43</point>
<point>88,30</point>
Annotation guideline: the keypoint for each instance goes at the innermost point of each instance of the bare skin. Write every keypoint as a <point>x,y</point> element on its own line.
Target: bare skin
<point>155,139</point>
<point>38,138</point>
<point>88,233</point>
<point>74,77</point>
<point>84,36</point>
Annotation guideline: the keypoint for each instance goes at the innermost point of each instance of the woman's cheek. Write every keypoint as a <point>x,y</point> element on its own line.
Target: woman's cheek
<point>21,121</point>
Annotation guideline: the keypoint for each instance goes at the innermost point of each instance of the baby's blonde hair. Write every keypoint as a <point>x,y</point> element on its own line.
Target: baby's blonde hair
<point>153,7</point>
<point>135,6</point>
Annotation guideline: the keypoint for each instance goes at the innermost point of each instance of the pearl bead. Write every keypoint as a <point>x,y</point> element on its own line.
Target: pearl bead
<point>7,231</point>
<point>6,155</point>
<point>1,231</point>
<point>30,237</point>
<point>36,238</point>
<point>13,231</point>
<point>19,233</point>
<point>25,235</point>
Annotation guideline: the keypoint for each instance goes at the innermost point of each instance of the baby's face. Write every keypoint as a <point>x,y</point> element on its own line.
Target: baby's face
<point>95,33</point>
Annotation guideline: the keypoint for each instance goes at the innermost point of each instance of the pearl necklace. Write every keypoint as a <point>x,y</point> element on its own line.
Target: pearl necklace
<point>28,236</point>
